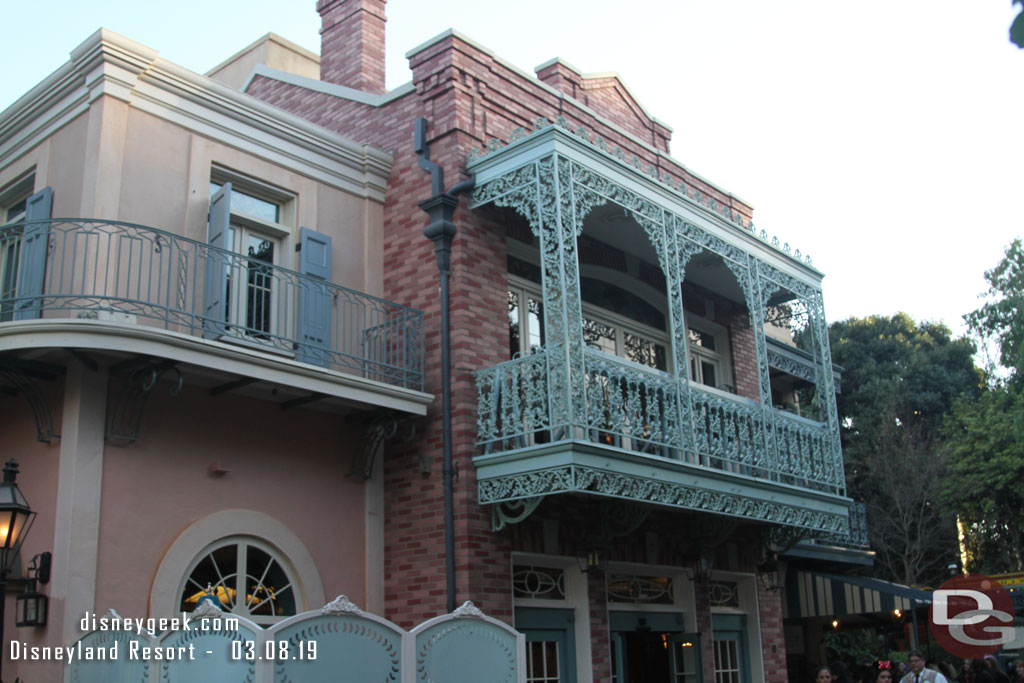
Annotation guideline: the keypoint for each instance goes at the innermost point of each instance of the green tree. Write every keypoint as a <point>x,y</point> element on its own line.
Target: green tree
<point>1000,321</point>
<point>900,381</point>
<point>985,437</point>
<point>1017,27</point>
<point>985,485</point>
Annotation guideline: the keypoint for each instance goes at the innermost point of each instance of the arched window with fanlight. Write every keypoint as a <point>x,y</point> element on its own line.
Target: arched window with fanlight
<point>248,577</point>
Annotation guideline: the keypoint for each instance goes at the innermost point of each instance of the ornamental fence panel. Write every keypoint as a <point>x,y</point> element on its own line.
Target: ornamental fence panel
<point>338,643</point>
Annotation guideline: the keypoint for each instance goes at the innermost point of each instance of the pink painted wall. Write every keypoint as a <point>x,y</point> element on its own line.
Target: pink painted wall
<point>290,465</point>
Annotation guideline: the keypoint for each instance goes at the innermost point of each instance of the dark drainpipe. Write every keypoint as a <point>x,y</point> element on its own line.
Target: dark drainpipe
<point>441,231</point>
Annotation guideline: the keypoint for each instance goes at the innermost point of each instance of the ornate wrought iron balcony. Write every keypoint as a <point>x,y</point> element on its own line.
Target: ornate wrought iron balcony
<point>121,272</point>
<point>638,433</point>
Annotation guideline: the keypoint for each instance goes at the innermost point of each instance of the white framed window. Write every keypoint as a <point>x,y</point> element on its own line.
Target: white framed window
<point>13,205</point>
<point>246,577</point>
<point>260,229</point>
<point>603,330</point>
<point>708,353</point>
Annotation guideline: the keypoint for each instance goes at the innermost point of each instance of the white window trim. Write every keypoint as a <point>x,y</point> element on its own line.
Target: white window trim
<point>527,289</point>
<point>576,599</point>
<point>749,607</point>
<point>164,597</point>
<point>283,233</point>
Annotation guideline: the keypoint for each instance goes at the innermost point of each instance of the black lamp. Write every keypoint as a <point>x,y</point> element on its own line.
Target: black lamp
<point>16,519</point>
<point>772,573</point>
<point>32,606</point>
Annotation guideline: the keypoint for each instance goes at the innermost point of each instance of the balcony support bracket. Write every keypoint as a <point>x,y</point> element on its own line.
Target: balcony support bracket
<point>379,428</point>
<point>127,410</point>
<point>512,511</point>
<point>21,383</point>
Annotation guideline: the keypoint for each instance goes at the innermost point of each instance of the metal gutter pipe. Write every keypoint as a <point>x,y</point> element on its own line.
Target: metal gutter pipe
<point>440,208</point>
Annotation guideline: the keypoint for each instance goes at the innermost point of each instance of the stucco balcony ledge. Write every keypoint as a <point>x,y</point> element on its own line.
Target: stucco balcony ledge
<point>128,291</point>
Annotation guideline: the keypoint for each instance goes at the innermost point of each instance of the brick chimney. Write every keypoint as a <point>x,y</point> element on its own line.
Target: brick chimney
<point>352,43</point>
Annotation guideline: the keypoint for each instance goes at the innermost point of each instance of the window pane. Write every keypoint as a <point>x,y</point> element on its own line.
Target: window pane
<point>513,324</point>
<point>645,351</point>
<point>709,376</point>
<point>599,336</point>
<point>267,589</point>
<point>243,202</point>
<point>702,339</point>
<point>216,574</point>
<point>542,661</point>
<point>15,211</point>
<point>535,323</point>
<point>260,293</point>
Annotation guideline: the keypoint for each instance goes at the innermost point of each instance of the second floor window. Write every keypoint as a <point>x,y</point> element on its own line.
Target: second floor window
<point>618,334</point>
<point>257,232</point>
<point>13,205</point>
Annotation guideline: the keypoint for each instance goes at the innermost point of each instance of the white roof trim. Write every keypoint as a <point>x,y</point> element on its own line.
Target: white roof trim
<point>333,89</point>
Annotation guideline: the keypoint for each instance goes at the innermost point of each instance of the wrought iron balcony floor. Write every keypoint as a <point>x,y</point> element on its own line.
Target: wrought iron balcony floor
<point>641,434</point>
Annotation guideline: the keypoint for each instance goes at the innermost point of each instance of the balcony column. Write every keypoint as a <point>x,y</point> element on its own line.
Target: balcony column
<point>79,491</point>
<point>678,252</point>
<point>826,387</point>
<point>559,227</point>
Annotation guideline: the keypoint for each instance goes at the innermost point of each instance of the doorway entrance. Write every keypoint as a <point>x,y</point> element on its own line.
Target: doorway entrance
<point>653,647</point>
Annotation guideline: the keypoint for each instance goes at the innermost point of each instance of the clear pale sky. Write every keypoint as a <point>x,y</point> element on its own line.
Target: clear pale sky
<point>882,137</point>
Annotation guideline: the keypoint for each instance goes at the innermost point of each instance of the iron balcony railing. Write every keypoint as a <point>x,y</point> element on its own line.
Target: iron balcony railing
<point>856,536</point>
<point>123,272</point>
<point>627,406</point>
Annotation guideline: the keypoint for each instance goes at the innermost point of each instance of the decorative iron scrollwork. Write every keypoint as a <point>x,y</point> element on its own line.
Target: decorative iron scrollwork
<point>127,410</point>
<point>380,427</point>
<point>22,384</point>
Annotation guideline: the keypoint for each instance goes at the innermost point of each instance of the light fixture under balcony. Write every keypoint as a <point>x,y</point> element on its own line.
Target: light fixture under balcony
<point>592,561</point>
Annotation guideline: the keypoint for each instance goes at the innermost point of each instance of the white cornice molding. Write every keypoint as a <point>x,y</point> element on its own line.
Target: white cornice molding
<point>108,64</point>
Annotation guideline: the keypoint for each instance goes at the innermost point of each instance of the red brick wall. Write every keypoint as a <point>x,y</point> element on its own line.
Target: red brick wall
<point>468,97</point>
<point>600,644</point>
<point>773,641</point>
<point>744,356</point>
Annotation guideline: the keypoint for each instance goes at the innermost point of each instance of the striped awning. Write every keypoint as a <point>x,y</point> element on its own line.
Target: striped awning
<point>817,594</point>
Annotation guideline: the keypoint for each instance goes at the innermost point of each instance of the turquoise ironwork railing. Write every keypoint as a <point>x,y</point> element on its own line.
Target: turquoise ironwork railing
<point>634,408</point>
<point>856,536</point>
<point>131,273</point>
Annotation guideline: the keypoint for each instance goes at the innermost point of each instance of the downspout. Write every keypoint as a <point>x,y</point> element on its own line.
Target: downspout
<point>440,208</point>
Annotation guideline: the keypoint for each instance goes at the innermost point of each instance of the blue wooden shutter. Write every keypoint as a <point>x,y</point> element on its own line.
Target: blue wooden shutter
<point>314,305</point>
<point>34,246</point>
<point>215,283</point>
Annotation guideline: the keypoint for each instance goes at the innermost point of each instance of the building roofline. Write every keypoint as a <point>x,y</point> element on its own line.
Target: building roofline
<point>270,37</point>
<point>556,93</point>
<point>342,91</point>
<point>605,74</point>
<point>109,64</point>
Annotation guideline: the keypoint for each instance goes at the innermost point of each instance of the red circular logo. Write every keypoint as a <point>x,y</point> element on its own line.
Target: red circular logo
<point>971,616</point>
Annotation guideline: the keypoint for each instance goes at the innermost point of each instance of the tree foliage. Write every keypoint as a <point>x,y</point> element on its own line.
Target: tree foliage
<point>985,438</point>
<point>1017,27</point>
<point>900,381</point>
<point>1001,318</point>
<point>986,478</point>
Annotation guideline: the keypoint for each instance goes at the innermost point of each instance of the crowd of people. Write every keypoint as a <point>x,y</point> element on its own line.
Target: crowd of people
<point>917,670</point>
